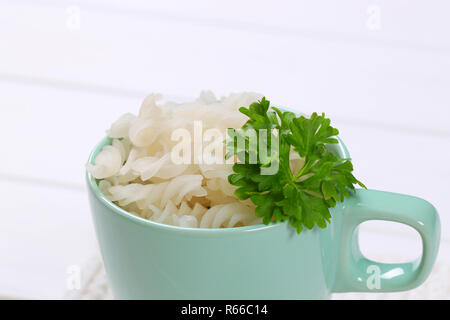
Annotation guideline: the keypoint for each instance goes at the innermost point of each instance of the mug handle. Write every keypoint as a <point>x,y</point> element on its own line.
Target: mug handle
<point>359,274</point>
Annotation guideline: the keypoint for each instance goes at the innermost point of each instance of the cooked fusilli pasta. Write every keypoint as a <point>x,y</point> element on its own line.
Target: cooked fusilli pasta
<point>138,173</point>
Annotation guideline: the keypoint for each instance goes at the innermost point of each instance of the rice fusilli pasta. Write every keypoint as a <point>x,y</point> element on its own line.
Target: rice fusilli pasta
<point>138,173</point>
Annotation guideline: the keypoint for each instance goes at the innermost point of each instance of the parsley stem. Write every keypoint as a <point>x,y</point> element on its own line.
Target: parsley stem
<point>302,170</point>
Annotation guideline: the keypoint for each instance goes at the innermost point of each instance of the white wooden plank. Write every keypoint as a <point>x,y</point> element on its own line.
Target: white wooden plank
<point>393,23</point>
<point>358,81</point>
<point>44,231</point>
<point>395,244</point>
<point>50,132</point>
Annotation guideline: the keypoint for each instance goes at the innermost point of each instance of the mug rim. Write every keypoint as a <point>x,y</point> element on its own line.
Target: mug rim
<point>115,209</point>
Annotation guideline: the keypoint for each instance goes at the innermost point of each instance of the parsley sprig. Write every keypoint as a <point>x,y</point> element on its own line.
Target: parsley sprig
<point>304,198</point>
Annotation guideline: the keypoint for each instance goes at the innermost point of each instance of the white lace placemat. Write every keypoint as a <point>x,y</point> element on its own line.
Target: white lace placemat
<point>94,286</point>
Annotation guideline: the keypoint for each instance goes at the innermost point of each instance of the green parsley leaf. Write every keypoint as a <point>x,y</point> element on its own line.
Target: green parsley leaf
<point>303,198</point>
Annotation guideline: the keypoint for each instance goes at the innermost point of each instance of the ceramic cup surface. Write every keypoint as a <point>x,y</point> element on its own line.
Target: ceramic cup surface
<point>148,260</point>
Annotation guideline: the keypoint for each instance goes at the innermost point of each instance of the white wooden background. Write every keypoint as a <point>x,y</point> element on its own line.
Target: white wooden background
<point>379,68</point>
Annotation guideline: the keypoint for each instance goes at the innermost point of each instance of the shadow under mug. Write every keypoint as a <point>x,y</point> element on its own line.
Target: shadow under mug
<point>148,260</point>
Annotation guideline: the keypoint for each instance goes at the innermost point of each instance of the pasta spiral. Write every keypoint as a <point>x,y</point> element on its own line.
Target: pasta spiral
<point>219,216</point>
<point>137,171</point>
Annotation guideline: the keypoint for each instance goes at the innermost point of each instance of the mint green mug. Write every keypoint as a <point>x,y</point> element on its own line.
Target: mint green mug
<point>148,260</point>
